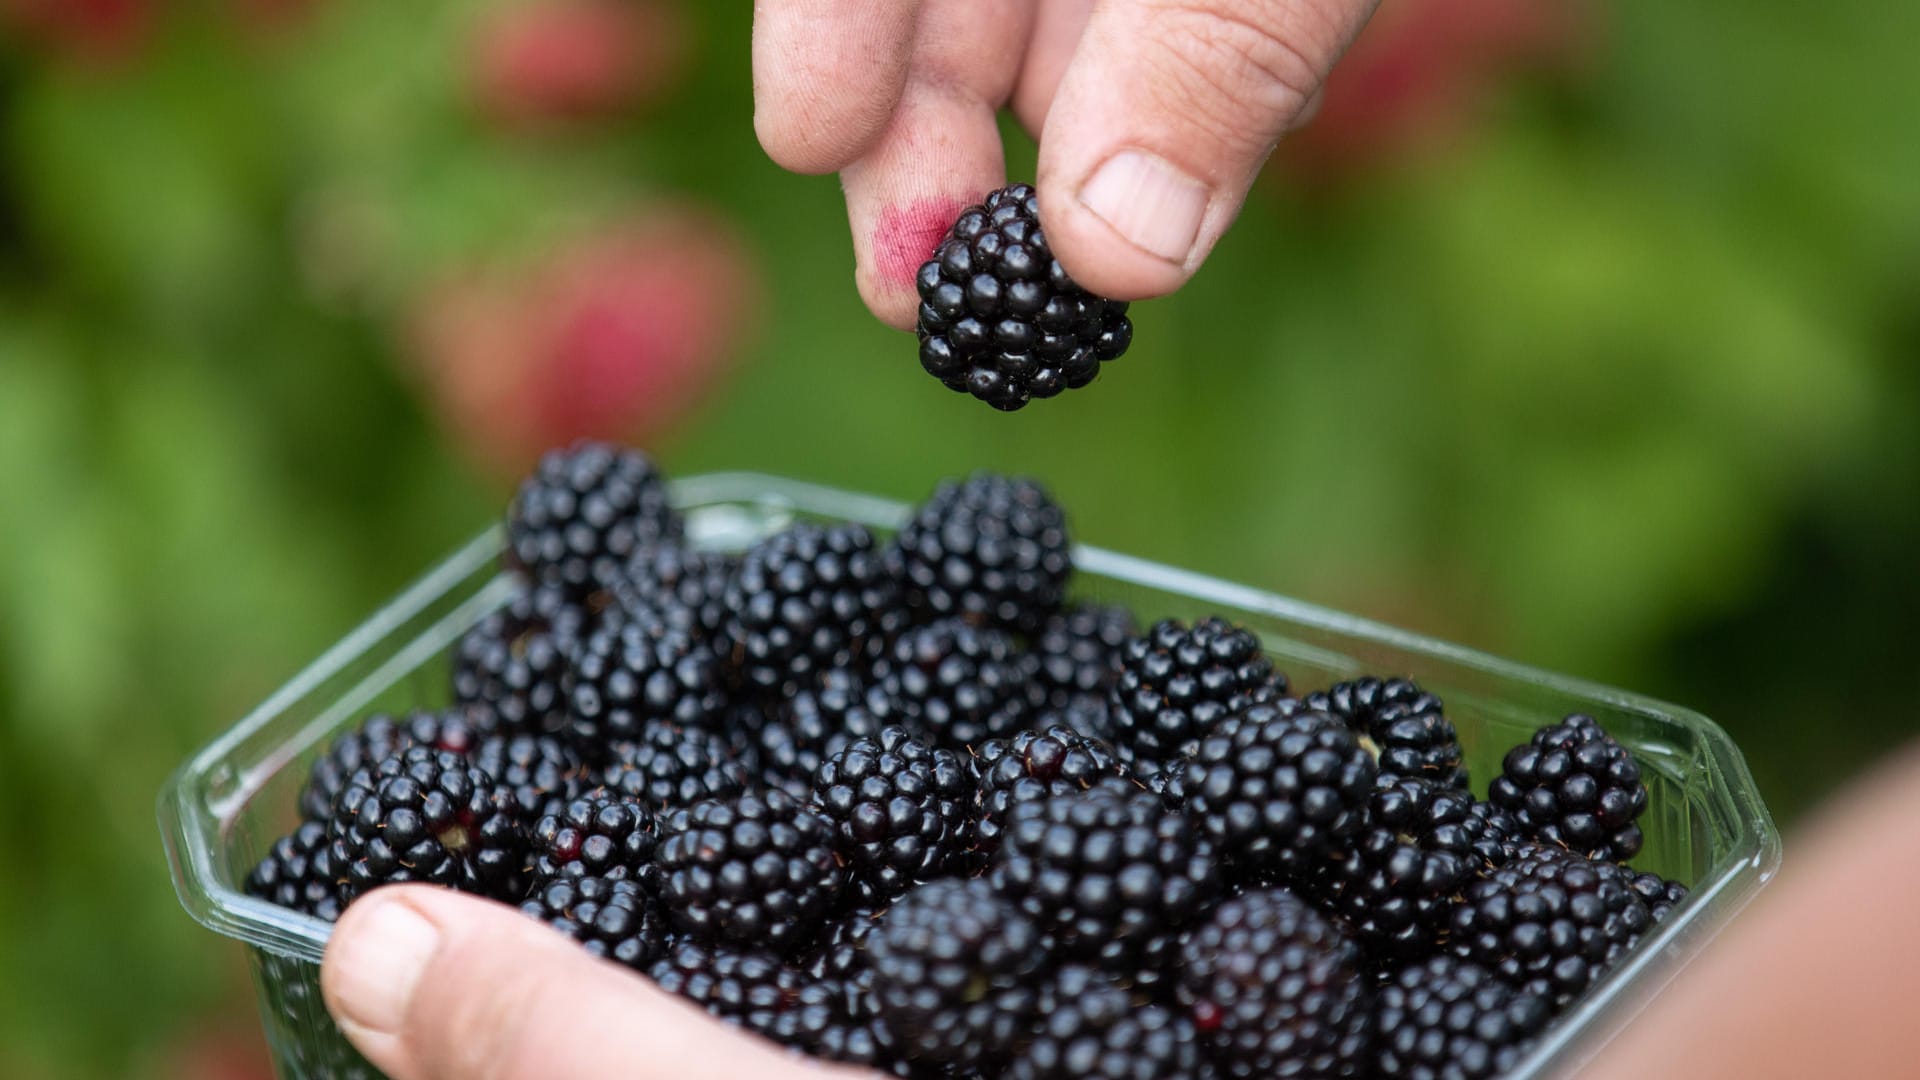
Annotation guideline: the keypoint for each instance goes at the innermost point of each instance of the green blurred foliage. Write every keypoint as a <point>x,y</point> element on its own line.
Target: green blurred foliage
<point>1623,383</point>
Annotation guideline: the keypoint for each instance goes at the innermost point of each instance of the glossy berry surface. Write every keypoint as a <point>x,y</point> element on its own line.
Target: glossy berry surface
<point>1573,785</point>
<point>989,548</point>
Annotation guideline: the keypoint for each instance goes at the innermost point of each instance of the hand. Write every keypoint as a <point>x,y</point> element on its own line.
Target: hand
<point>1154,117</point>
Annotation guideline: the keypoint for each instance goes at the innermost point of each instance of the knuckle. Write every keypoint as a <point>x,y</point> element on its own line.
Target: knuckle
<point>1238,74</point>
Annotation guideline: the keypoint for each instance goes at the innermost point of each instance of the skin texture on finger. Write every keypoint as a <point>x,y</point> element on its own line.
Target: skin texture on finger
<point>1164,117</point>
<point>1820,977</point>
<point>827,75</point>
<point>940,152</point>
<point>1057,26</point>
<point>432,985</point>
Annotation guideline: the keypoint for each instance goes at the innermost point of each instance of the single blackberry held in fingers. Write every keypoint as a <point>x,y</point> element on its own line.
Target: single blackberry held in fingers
<point>989,548</point>
<point>1176,682</point>
<point>999,317</point>
<point>583,513</point>
<point>1573,785</point>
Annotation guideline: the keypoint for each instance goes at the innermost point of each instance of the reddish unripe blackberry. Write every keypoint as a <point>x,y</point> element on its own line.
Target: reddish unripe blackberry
<point>756,869</point>
<point>1029,766</point>
<point>675,577</point>
<point>805,600</point>
<point>1278,792</point>
<point>903,812</point>
<point>515,660</point>
<point>989,548</point>
<point>1405,728</point>
<point>1550,921</point>
<point>638,670</point>
<point>794,736</point>
<point>1573,785</point>
<point>1079,651</point>
<point>428,816</point>
<point>457,730</point>
<point>1091,1026</point>
<point>583,513</point>
<point>541,773</point>
<point>670,766</point>
<point>613,918</point>
<point>957,683</point>
<point>601,834</point>
<point>1176,682</point>
<point>1275,989</point>
<point>1449,1019</point>
<point>1659,894</point>
<point>297,873</point>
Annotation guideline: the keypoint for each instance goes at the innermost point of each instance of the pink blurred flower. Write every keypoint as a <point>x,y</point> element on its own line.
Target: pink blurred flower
<point>103,34</point>
<point>541,62</point>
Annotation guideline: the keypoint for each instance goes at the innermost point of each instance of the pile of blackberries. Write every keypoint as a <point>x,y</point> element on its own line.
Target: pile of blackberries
<point>903,803</point>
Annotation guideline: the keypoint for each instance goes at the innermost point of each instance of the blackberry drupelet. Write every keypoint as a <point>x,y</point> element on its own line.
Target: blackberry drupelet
<point>583,513</point>
<point>1279,793</point>
<point>1029,766</point>
<point>999,317</point>
<point>1079,651</point>
<point>1659,894</point>
<point>1091,1027</point>
<point>1404,727</point>
<point>1177,682</point>
<point>954,967</point>
<point>672,576</point>
<point>958,684</point>
<point>743,986</point>
<point>1550,921</point>
<point>1104,872</point>
<point>613,917</point>
<point>601,834</point>
<point>541,773</point>
<point>515,660</point>
<point>903,812</point>
<point>1496,834</point>
<point>1448,1019</point>
<point>297,873</point>
<point>457,730</point>
<point>1573,785</point>
<point>429,816</point>
<point>990,549</point>
<point>1395,882</point>
<point>796,735</point>
<point>805,600</point>
<point>639,670</point>
<point>669,767</point>
<point>1275,989</point>
<point>756,869</point>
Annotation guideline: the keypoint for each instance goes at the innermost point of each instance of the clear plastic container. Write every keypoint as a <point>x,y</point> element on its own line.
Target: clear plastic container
<point>1705,822</point>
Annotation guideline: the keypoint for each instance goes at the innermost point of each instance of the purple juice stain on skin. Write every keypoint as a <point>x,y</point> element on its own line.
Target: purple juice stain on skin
<point>907,235</point>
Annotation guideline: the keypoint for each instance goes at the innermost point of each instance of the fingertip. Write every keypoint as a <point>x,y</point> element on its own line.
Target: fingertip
<point>1098,257</point>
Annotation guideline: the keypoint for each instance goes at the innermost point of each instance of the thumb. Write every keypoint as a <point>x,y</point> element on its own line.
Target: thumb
<point>1163,118</point>
<point>433,985</point>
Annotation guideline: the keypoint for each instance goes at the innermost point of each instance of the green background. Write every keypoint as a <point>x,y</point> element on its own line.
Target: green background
<point>1623,380</point>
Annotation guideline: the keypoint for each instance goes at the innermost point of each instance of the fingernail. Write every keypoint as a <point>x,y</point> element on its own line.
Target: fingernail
<point>1154,205</point>
<point>378,965</point>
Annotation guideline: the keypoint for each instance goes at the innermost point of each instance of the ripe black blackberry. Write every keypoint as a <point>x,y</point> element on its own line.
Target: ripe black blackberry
<point>613,917</point>
<point>669,767</point>
<point>1176,682</point>
<point>1394,883</point>
<point>457,730</point>
<point>999,317</point>
<point>1079,651</point>
<point>794,736</point>
<point>1550,921</point>
<point>1404,727</point>
<point>583,513</point>
<point>989,548</point>
<point>601,834</point>
<point>297,873</point>
<point>958,684</point>
<point>1030,766</point>
<point>1104,872</point>
<point>1496,834</point>
<point>542,774</point>
<point>515,660</point>
<point>743,986</point>
<point>1573,785</point>
<point>1659,894</point>
<point>1091,1026</point>
<point>954,967</point>
<point>429,816</point>
<point>903,812</point>
<point>755,869</point>
<point>1279,792</point>
<point>808,599</point>
<point>1448,1019</point>
<point>673,576</point>
<point>639,669</point>
<point>1275,989</point>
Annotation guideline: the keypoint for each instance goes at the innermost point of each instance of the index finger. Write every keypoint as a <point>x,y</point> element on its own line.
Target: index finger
<point>827,75</point>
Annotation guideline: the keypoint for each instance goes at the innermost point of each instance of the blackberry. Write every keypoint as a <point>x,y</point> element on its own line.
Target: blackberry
<point>1030,766</point>
<point>613,918</point>
<point>540,773</point>
<point>1104,872</point>
<point>1496,834</point>
<point>1275,989</point>
<point>990,549</point>
<point>457,730</point>
<point>639,670</point>
<point>672,576</point>
<point>1573,785</point>
<point>1404,727</point>
<point>903,812</point>
<point>797,734</point>
<point>999,317</point>
<point>953,974</point>
<point>805,600</point>
<point>583,513</point>
<point>1278,792</point>
<point>1659,894</point>
<point>1079,651</point>
<point>1091,1026</point>
<point>759,868</point>
<point>957,683</point>
<point>297,873</point>
<point>1449,1019</point>
<point>1176,682</point>
<point>747,987</point>
<point>427,815</point>
<point>515,659</point>
<point>1550,921</point>
<point>669,767</point>
<point>598,835</point>
<point>1393,885</point>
